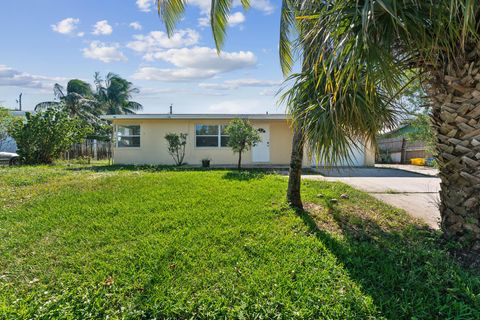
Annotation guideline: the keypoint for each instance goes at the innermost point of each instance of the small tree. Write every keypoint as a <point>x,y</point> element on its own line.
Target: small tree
<point>44,136</point>
<point>242,136</point>
<point>176,146</point>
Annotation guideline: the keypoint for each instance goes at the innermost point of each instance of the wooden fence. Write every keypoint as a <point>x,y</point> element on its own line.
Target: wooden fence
<point>400,150</point>
<point>90,149</point>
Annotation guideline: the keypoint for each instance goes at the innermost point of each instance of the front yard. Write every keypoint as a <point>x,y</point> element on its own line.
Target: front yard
<point>90,242</point>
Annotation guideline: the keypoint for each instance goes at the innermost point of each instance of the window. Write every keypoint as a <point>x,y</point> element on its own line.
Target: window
<point>210,136</point>
<point>223,136</point>
<point>128,136</point>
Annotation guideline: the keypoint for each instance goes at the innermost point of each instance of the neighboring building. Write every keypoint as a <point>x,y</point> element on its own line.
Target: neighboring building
<point>393,146</point>
<point>140,139</point>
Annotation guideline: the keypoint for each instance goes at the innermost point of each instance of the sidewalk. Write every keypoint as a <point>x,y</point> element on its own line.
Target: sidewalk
<point>429,171</point>
<point>414,192</point>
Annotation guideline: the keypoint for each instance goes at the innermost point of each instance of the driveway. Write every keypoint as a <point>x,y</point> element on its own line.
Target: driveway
<point>414,192</point>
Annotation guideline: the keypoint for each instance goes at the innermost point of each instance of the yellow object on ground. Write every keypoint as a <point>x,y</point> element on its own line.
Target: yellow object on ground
<point>417,161</point>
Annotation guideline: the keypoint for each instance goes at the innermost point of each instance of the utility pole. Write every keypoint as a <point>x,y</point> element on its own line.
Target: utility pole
<point>19,101</point>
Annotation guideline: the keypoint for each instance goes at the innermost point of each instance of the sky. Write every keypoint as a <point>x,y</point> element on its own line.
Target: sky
<point>44,42</point>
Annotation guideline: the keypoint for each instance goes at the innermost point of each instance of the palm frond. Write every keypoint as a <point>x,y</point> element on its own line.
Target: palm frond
<point>171,12</point>
<point>219,13</point>
<point>287,21</point>
<point>58,91</point>
<point>47,105</point>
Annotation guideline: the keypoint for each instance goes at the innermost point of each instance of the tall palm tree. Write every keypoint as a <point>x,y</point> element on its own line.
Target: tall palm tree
<point>114,94</point>
<point>77,100</point>
<point>361,54</point>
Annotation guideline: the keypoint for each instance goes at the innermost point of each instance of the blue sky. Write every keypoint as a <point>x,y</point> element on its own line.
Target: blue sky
<point>49,41</point>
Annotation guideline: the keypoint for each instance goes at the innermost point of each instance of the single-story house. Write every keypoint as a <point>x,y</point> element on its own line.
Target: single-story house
<point>139,139</point>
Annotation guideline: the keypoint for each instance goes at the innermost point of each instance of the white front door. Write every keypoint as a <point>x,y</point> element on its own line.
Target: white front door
<point>261,151</point>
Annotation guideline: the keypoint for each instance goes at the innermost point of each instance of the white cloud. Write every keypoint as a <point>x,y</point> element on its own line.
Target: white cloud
<point>270,92</point>
<point>104,52</point>
<point>66,26</point>
<point>263,5</point>
<point>81,34</point>
<point>238,83</point>
<point>204,21</point>
<point>195,63</point>
<point>156,41</point>
<point>145,5</point>
<point>180,75</point>
<point>207,59</point>
<point>136,25</point>
<point>102,28</point>
<point>238,106</point>
<point>161,92</point>
<point>12,77</point>
<point>236,19</point>
<point>204,6</point>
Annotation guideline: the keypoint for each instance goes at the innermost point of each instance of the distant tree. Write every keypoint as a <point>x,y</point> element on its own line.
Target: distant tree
<point>423,130</point>
<point>242,136</point>
<point>114,95</point>
<point>78,101</point>
<point>44,136</point>
<point>176,146</point>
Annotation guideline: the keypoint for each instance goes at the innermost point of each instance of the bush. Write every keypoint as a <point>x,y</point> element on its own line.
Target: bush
<point>44,136</point>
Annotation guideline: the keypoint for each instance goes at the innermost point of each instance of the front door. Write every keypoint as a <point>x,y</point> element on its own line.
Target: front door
<point>261,151</point>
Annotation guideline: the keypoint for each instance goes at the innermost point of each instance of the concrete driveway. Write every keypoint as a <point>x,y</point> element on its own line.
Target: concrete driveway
<point>414,192</point>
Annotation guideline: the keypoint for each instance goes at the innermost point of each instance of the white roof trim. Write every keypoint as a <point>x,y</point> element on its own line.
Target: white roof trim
<point>197,116</point>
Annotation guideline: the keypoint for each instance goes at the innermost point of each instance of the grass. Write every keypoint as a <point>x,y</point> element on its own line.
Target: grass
<point>95,242</point>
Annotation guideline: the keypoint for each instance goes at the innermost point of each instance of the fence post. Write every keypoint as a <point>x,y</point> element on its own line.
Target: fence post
<point>403,151</point>
<point>95,149</point>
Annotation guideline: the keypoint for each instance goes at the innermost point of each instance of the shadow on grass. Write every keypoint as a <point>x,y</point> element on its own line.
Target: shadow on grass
<point>231,173</point>
<point>406,269</point>
<point>244,175</point>
<point>118,167</point>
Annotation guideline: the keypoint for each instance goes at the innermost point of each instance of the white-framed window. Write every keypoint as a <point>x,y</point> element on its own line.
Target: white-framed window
<point>128,136</point>
<point>211,136</point>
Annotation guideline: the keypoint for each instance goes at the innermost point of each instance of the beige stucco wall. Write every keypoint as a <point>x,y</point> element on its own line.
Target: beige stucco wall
<point>153,146</point>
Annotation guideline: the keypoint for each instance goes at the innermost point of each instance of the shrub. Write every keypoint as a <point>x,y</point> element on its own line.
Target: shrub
<point>44,136</point>
<point>176,146</point>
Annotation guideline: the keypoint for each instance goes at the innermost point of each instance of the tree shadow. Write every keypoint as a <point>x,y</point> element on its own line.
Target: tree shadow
<point>245,175</point>
<point>147,168</point>
<point>406,269</point>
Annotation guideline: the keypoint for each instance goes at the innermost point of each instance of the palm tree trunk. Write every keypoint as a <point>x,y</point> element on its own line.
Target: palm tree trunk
<point>295,174</point>
<point>456,119</point>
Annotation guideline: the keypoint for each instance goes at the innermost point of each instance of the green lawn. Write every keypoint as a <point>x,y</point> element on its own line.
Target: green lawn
<point>90,242</point>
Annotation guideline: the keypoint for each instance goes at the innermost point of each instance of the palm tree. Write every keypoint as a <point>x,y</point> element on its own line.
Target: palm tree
<point>361,55</point>
<point>172,11</point>
<point>77,101</point>
<point>114,94</point>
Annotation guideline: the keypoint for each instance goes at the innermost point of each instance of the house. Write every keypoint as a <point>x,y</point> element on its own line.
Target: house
<point>140,139</point>
<point>395,147</point>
